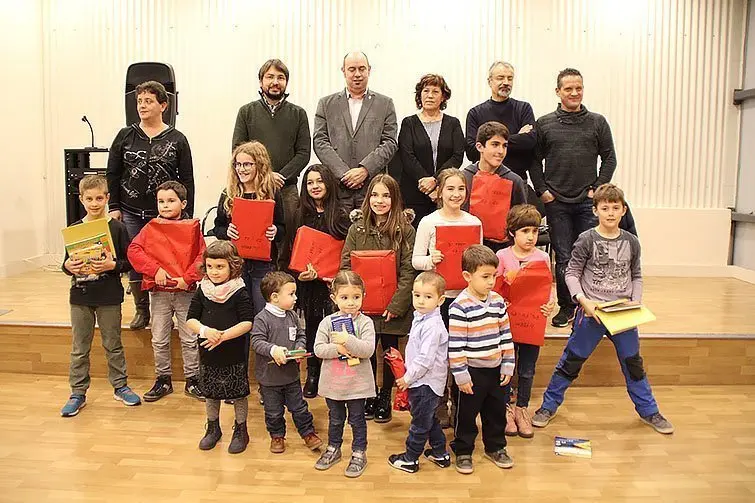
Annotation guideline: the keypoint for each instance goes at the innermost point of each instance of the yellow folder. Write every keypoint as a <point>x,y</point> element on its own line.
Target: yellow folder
<point>86,234</point>
<point>621,321</point>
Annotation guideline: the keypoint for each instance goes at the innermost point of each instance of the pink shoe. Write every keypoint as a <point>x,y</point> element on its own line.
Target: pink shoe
<point>524,422</point>
<point>511,429</point>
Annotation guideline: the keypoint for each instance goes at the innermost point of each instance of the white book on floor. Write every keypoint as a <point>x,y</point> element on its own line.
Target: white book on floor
<point>577,447</point>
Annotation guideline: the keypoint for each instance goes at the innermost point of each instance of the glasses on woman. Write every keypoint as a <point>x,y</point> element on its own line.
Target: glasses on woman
<point>245,166</point>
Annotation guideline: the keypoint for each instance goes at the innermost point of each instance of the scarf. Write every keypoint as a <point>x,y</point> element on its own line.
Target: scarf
<point>222,292</point>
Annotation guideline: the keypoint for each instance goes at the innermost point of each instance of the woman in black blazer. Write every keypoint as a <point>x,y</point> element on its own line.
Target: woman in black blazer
<point>429,142</point>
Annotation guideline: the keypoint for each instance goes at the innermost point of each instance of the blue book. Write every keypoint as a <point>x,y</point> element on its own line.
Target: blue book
<point>578,447</point>
<point>342,322</point>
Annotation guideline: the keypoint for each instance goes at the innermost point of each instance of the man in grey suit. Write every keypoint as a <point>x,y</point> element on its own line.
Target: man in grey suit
<point>355,131</point>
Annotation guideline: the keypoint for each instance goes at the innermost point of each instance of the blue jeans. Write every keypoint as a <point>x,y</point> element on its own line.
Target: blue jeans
<point>585,337</point>
<point>424,426</point>
<point>526,361</point>
<point>337,413</point>
<point>567,221</point>
<point>277,399</point>
<point>252,273</point>
<point>133,223</point>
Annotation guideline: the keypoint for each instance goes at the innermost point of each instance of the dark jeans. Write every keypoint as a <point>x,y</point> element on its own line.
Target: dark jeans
<point>386,341</point>
<point>526,360</point>
<point>133,223</point>
<point>337,413</point>
<point>567,221</point>
<point>489,402</point>
<point>290,397</point>
<point>252,273</point>
<point>424,426</point>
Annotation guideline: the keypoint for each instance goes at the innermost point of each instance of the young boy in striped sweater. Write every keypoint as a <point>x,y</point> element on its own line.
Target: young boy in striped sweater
<point>481,356</point>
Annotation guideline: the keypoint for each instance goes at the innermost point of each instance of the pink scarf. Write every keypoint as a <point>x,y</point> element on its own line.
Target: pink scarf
<point>222,292</point>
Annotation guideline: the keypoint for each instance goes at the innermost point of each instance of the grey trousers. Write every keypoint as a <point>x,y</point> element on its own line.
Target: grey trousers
<point>82,325</point>
<point>164,305</point>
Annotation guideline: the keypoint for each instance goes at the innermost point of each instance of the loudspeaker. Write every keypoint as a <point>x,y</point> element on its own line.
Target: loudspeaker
<point>139,73</point>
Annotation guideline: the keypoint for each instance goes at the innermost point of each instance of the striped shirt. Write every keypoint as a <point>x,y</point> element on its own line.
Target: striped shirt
<point>479,336</point>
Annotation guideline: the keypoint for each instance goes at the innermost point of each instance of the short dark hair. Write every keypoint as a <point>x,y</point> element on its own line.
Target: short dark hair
<point>566,72</point>
<point>491,129</point>
<point>176,187</point>
<point>432,79</point>
<point>522,215</point>
<point>273,63</point>
<point>153,87</point>
<point>224,250</point>
<point>273,282</point>
<point>93,182</point>
<point>434,279</point>
<point>608,192</point>
<point>477,256</point>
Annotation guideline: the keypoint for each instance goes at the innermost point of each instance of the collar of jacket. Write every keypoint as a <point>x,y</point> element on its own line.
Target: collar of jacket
<point>272,108</point>
<point>565,117</point>
<point>367,93</point>
<point>140,132</point>
<point>475,167</point>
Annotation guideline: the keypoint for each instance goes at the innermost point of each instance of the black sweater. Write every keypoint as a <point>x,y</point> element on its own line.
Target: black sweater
<point>513,114</point>
<point>137,165</point>
<point>107,290</point>
<point>570,143</point>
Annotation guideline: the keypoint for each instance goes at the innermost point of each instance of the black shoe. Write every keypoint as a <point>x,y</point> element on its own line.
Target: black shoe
<point>240,438</point>
<point>383,406</point>
<point>211,436</point>
<point>192,389</point>
<point>564,316</point>
<point>162,387</point>
<point>443,461</point>
<point>140,321</point>
<point>369,409</point>
<point>141,302</point>
<point>310,386</point>
<point>400,462</point>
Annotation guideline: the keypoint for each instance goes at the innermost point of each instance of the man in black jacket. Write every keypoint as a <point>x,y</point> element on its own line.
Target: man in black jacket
<point>570,140</point>
<point>142,157</point>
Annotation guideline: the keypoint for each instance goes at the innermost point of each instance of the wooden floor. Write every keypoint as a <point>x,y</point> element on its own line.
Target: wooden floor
<point>112,453</point>
<point>683,305</point>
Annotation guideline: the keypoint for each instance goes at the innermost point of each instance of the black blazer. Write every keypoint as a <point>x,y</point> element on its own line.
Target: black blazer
<point>416,154</point>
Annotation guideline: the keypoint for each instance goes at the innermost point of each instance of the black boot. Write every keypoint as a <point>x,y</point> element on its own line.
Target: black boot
<point>310,386</point>
<point>240,438</point>
<point>383,406</point>
<point>369,408</point>
<point>211,436</point>
<point>141,302</point>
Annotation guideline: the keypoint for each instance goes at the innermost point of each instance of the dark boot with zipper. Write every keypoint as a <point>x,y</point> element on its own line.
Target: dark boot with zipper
<point>383,406</point>
<point>141,302</point>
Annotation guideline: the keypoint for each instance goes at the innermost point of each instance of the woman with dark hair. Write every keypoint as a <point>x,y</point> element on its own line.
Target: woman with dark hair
<point>429,142</point>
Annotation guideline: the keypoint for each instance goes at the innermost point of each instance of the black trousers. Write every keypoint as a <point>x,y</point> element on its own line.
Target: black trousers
<point>489,401</point>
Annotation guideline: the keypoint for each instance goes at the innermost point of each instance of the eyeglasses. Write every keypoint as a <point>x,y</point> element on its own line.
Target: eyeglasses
<point>247,166</point>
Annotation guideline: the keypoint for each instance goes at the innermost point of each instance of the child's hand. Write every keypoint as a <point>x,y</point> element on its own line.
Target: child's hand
<point>436,256</point>
<point>339,337</point>
<point>505,380</point>
<point>103,264</point>
<point>279,355</point>
<point>547,309</point>
<point>308,275</point>
<point>213,339</point>
<point>270,232</point>
<point>401,384</point>
<point>466,388</point>
<point>232,232</point>
<point>342,350</point>
<point>181,283</point>
<point>161,277</point>
<point>74,266</point>
<point>589,307</point>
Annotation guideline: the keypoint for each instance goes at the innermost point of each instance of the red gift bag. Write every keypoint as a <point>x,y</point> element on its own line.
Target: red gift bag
<point>396,363</point>
<point>490,201</point>
<point>252,217</point>
<point>451,241</point>
<point>502,287</point>
<point>175,245</point>
<point>377,269</point>
<point>530,289</point>
<point>318,248</point>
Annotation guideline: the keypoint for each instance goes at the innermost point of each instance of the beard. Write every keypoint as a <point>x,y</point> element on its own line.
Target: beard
<point>273,95</point>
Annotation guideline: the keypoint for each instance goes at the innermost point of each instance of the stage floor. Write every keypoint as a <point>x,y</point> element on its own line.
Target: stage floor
<point>111,453</point>
<point>688,306</point>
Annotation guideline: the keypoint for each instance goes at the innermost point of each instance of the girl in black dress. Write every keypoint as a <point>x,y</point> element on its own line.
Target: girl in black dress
<point>221,313</point>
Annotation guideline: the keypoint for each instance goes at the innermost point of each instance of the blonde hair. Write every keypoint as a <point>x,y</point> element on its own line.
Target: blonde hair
<point>443,179</point>
<point>263,181</point>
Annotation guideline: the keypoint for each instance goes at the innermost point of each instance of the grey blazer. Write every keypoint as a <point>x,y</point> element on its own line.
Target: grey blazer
<point>341,148</point>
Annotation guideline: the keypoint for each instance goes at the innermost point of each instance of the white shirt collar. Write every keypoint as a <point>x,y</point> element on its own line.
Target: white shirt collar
<point>275,310</point>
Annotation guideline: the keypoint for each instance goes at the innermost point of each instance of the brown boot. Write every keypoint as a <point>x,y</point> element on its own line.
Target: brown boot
<point>277,445</point>
<point>141,303</point>
<point>511,429</point>
<point>524,422</point>
<point>312,441</point>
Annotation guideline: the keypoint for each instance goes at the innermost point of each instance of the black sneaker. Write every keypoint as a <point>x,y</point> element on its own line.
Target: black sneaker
<point>443,461</point>
<point>383,406</point>
<point>192,389</point>
<point>163,386</point>
<point>369,408</point>
<point>400,462</point>
<point>564,317</point>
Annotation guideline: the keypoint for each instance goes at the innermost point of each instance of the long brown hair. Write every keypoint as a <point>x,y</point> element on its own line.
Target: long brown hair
<point>443,178</point>
<point>394,225</point>
<point>264,184</point>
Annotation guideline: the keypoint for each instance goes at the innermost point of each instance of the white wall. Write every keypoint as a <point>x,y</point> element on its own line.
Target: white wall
<point>660,71</point>
<point>23,166</point>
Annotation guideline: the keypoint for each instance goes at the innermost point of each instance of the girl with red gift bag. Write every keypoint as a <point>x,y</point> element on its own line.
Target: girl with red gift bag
<point>383,224</point>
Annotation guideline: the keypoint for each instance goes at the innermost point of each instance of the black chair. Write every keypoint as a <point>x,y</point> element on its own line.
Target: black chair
<point>209,232</point>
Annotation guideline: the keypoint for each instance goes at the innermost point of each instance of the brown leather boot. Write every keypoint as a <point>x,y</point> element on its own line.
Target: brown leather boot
<point>524,422</point>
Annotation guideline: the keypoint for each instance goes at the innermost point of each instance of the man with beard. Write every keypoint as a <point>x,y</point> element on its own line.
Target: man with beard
<point>514,114</point>
<point>283,128</point>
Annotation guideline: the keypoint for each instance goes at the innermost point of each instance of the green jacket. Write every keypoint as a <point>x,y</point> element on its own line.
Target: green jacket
<point>401,304</point>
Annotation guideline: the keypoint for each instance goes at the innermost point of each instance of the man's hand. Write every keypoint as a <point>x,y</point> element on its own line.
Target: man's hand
<point>354,177</point>
<point>116,214</point>
<point>525,129</point>
<point>279,180</point>
<point>427,184</point>
<point>547,197</point>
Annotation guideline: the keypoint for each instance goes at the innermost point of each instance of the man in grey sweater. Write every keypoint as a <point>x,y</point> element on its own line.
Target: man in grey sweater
<point>569,141</point>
